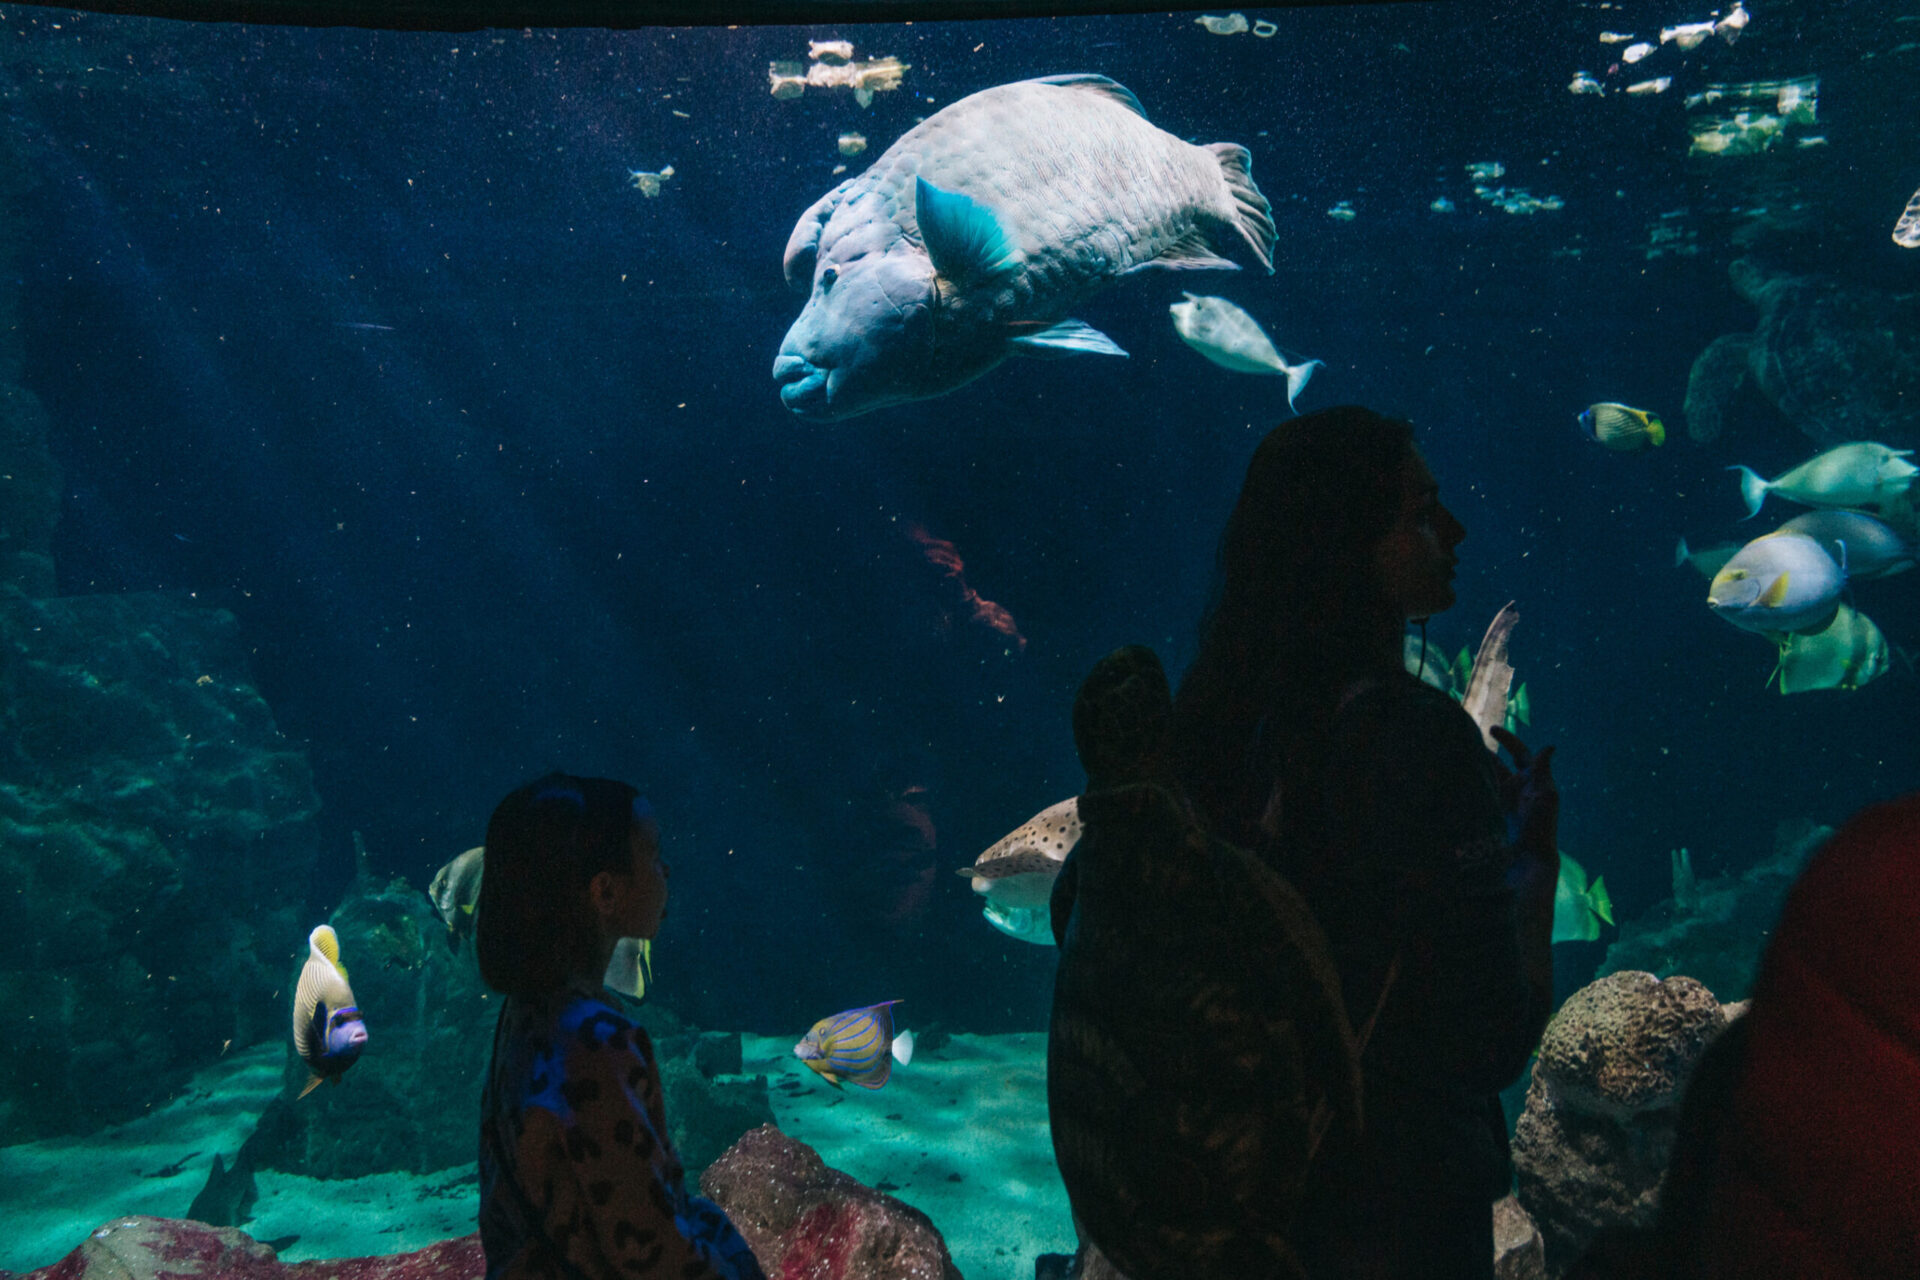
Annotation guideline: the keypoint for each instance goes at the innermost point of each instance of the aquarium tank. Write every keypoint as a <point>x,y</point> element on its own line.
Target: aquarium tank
<point>394,412</point>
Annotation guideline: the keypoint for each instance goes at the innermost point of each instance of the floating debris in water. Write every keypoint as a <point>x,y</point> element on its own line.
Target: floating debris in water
<point>1582,82</point>
<point>1486,171</point>
<point>1615,37</point>
<point>852,144</point>
<point>833,68</point>
<point>1906,232</point>
<point>1751,129</point>
<point>1264,29</point>
<point>1518,200</point>
<point>1687,35</point>
<point>1634,52</point>
<point>648,183</point>
<point>1231,25</point>
<point>1659,85</point>
<point>1441,205</point>
<point>1343,211</point>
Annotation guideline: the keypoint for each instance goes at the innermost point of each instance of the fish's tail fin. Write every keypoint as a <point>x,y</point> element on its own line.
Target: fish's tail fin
<point>1599,899</point>
<point>1250,215</point>
<point>1752,489</point>
<point>903,1048</point>
<point>1298,375</point>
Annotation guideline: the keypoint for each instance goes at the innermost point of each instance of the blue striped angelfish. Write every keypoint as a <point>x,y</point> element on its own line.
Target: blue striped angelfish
<point>858,1045</point>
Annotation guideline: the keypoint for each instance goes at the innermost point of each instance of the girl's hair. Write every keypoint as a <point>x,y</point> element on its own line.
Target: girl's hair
<point>534,926</point>
<point>1296,612</point>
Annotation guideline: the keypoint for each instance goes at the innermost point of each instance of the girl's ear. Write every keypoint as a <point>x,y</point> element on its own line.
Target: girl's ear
<point>600,892</point>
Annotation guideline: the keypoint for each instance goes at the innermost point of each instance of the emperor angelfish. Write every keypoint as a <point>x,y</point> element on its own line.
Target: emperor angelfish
<point>1777,584</point>
<point>972,237</point>
<point>328,1032</point>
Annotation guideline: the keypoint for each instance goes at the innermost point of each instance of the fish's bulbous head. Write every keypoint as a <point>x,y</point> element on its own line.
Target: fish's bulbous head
<point>863,341</point>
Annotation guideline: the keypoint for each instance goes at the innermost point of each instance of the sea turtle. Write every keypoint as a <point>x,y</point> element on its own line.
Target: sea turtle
<point>1841,362</point>
<point>1198,1046</point>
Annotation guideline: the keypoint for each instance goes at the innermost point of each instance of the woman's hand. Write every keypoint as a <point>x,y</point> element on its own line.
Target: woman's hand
<point>1528,793</point>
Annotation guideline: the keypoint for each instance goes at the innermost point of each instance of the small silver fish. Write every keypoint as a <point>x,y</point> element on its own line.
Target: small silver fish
<point>328,1032</point>
<point>1232,339</point>
<point>1857,474</point>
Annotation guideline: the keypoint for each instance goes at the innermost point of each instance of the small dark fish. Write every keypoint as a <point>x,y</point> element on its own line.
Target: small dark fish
<point>170,1170</point>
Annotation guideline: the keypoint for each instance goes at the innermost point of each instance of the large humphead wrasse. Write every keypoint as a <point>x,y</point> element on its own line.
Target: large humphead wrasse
<point>1198,1048</point>
<point>973,236</point>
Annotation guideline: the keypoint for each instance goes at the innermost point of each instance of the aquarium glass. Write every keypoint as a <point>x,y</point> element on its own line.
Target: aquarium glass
<point>388,418</point>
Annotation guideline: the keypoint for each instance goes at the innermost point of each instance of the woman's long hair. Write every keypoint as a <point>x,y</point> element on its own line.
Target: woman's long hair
<point>1296,613</point>
<point>534,927</point>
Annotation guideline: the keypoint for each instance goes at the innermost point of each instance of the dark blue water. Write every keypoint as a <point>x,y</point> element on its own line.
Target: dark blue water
<point>550,513</point>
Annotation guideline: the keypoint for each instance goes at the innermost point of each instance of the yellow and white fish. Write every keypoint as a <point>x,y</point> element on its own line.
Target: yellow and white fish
<point>328,1032</point>
<point>455,892</point>
<point>1780,582</point>
<point>1232,339</point>
<point>1622,427</point>
<point>1858,474</point>
<point>1849,653</point>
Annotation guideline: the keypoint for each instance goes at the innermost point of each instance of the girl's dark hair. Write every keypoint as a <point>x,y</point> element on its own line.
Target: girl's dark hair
<point>1296,612</point>
<point>534,928</point>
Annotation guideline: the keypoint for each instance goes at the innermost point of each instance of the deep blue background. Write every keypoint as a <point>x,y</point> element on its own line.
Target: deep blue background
<point>555,516</point>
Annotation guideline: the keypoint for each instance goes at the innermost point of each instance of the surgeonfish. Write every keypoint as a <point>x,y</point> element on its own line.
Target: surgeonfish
<point>1858,474</point>
<point>974,235</point>
<point>1232,339</point>
<point>858,1045</point>
<point>1869,548</point>
<point>328,1032</point>
<point>455,892</point>
<point>1621,427</point>
<point>1707,560</point>
<point>1849,653</point>
<point>1579,908</point>
<point>1779,583</point>
<point>1017,871</point>
<point>1486,695</point>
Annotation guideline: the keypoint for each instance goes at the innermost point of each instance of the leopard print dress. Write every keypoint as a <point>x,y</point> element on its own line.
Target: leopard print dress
<point>578,1178</point>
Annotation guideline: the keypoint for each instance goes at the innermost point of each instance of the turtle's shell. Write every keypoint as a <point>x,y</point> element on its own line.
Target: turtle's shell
<point>1197,1026</point>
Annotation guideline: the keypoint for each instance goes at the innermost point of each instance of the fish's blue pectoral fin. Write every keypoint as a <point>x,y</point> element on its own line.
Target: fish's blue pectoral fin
<point>1069,337</point>
<point>964,238</point>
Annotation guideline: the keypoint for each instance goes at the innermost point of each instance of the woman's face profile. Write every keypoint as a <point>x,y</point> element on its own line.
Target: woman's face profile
<point>1415,558</point>
<point>631,904</point>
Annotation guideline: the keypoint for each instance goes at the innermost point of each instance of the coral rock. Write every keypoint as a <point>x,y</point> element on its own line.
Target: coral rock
<point>805,1221</point>
<point>168,1249</point>
<point>1593,1142</point>
<point>1518,1251</point>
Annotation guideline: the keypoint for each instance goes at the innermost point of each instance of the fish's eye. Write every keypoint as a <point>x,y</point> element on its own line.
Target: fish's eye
<point>828,276</point>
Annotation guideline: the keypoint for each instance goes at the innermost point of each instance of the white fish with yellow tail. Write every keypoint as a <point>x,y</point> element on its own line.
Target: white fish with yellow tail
<point>975,235</point>
<point>1486,696</point>
<point>1016,873</point>
<point>328,1032</point>
<point>1858,474</point>
<point>1232,339</point>
<point>1780,582</point>
<point>1849,653</point>
<point>1621,427</point>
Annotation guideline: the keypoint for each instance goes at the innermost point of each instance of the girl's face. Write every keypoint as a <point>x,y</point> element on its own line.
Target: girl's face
<point>632,904</point>
<point>1415,558</point>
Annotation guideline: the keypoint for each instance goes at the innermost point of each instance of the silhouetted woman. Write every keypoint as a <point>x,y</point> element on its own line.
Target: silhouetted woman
<point>1299,733</point>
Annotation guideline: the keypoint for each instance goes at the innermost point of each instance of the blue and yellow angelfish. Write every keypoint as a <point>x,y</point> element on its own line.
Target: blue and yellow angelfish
<point>858,1045</point>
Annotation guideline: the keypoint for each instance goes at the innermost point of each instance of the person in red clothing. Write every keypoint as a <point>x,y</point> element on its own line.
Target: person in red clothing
<point>1798,1149</point>
<point>578,1177</point>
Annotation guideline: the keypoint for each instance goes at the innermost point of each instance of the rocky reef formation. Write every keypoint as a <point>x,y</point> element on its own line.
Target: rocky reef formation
<point>1839,361</point>
<point>1591,1147</point>
<point>1714,930</point>
<point>802,1218</point>
<point>156,835</point>
<point>156,1248</point>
